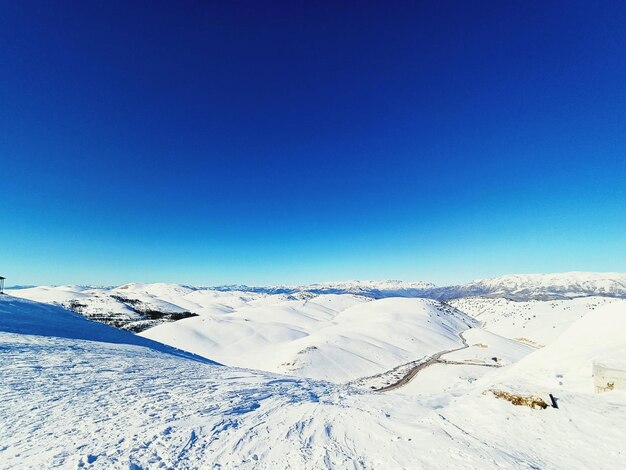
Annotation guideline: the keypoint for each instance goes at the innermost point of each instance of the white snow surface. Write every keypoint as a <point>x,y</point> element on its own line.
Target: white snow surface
<point>75,394</point>
<point>566,363</point>
<point>466,366</point>
<point>330,337</point>
<point>536,322</point>
<point>336,337</point>
<point>99,300</point>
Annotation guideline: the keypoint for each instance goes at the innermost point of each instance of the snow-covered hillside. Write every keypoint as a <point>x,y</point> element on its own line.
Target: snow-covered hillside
<point>457,372</point>
<point>33,318</point>
<point>133,307</point>
<point>137,306</point>
<point>534,322</point>
<point>76,394</point>
<point>336,337</point>
<point>566,363</point>
<point>326,336</point>
<point>330,337</point>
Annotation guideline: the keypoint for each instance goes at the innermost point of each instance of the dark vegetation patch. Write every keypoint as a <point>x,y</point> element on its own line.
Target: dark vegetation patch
<point>148,316</point>
<point>75,306</point>
<point>126,300</point>
<point>171,316</point>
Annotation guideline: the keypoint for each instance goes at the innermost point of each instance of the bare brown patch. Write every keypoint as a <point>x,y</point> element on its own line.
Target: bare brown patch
<point>519,400</point>
<point>529,341</point>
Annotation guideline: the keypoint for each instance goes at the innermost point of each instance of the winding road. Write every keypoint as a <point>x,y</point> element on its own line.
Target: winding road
<point>423,365</point>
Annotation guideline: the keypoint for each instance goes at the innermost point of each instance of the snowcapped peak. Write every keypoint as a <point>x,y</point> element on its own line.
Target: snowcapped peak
<point>551,278</point>
<point>514,286</point>
<point>543,286</point>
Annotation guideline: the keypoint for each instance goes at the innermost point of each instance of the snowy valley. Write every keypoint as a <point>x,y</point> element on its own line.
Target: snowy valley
<point>340,375</point>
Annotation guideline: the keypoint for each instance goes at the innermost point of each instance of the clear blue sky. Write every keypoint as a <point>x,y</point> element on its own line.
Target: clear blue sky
<point>265,142</point>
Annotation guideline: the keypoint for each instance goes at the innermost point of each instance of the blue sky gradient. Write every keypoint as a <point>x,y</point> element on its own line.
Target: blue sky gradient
<point>285,143</point>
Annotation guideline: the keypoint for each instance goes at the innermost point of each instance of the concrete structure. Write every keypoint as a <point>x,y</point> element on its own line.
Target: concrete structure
<point>609,376</point>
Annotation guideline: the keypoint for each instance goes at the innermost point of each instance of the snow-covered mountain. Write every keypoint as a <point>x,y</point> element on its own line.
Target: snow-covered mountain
<point>332,337</point>
<point>140,307</point>
<point>540,286</point>
<point>132,307</point>
<point>78,394</point>
<point>336,337</point>
<point>373,289</point>
<point>327,336</point>
<point>536,322</point>
<point>517,287</point>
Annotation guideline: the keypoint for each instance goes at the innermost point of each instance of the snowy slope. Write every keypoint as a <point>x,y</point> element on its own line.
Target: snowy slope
<point>535,322</point>
<point>566,363</point>
<point>138,306</point>
<point>336,337</point>
<point>458,371</point>
<point>326,336</point>
<point>586,427</point>
<point>134,309</point>
<point>330,337</point>
<point>74,402</point>
<point>32,318</point>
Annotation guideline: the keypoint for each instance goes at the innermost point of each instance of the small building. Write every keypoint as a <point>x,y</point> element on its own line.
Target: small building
<point>609,375</point>
<point>2,284</point>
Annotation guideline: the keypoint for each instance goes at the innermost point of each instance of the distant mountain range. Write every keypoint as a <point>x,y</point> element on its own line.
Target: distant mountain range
<point>373,289</point>
<point>515,286</point>
<point>541,286</point>
<point>146,304</point>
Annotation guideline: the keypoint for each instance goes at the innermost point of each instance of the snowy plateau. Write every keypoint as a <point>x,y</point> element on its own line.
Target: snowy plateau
<point>497,373</point>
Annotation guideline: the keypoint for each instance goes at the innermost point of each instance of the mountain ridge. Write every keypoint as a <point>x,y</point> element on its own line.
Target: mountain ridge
<point>519,287</point>
<point>550,286</point>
